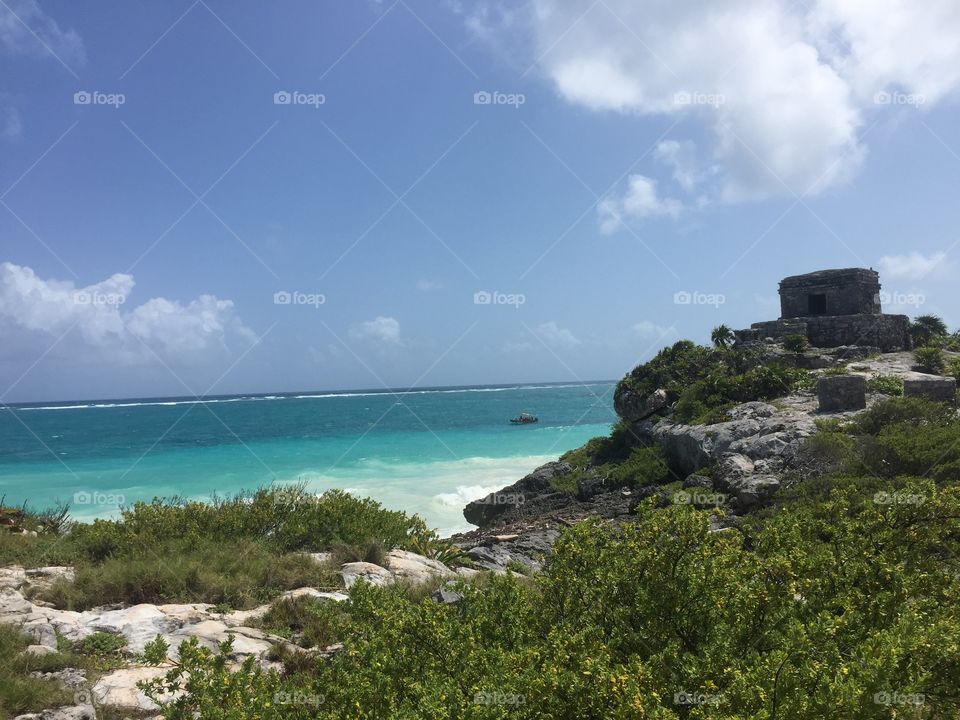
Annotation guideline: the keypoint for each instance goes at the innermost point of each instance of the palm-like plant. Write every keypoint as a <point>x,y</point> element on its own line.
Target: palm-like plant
<point>926,328</point>
<point>722,336</point>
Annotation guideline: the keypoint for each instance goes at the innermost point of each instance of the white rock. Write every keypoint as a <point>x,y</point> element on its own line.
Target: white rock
<point>415,568</point>
<point>368,572</point>
<point>39,650</point>
<point>119,688</point>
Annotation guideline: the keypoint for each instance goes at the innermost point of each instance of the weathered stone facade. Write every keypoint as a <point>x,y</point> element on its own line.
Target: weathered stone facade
<point>853,291</point>
<point>833,308</point>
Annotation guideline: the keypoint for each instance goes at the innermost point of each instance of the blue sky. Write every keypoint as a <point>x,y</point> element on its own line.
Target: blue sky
<point>632,154</point>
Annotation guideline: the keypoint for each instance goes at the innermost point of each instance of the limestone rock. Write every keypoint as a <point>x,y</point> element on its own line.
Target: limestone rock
<point>415,568</point>
<point>374,574</point>
<point>842,392</point>
<point>934,387</point>
<point>484,511</point>
<point>633,407</point>
<point>67,712</point>
<point>119,688</point>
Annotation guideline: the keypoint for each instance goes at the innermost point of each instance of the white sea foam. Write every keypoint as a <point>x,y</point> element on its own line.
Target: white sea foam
<point>313,396</point>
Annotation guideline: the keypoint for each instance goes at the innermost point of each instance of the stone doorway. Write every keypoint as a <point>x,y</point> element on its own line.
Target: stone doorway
<point>817,304</point>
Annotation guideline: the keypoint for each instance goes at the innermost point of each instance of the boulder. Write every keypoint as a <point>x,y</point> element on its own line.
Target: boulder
<point>445,596</point>
<point>633,407</point>
<point>837,393</point>
<point>119,688</point>
<point>934,387</point>
<point>484,511</point>
<point>354,572</point>
<point>589,486</point>
<point>415,568</point>
<point>697,481</point>
<point>67,712</point>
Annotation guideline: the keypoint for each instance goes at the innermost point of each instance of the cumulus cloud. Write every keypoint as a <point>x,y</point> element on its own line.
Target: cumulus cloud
<point>99,322</point>
<point>380,330</point>
<point>639,200</point>
<point>25,29</point>
<point>912,266</point>
<point>780,89</point>
<point>553,334</point>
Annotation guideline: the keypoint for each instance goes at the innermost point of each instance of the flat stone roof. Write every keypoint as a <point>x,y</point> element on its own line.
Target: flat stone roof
<point>832,276</point>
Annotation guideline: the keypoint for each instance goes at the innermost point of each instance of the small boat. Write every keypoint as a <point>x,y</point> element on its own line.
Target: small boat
<point>524,419</point>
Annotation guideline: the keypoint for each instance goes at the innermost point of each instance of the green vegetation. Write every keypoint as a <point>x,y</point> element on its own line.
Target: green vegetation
<point>616,460</point>
<point>795,343</point>
<point>837,370</point>
<point>312,623</point>
<point>926,329</point>
<point>722,336</point>
<point>930,360</point>
<point>240,551</point>
<point>704,382</point>
<point>19,692</point>
<point>841,605</point>
<point>885,385</point>
<point>102,644</point>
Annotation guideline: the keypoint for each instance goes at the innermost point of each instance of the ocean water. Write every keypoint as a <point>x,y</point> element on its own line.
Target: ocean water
<point>428,451</point>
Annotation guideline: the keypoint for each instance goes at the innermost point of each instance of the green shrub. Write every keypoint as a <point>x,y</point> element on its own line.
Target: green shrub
<point>837,370</point>
<point>795,343</point>
<point>886,385</point>
<point>812,612</point>
<point>930,360</point>
<point>914,411</point>
<point>102,644</point>
<point>310,622</point>
<point>20,692</point>
<point>926,329</point>
<point>240,573</point>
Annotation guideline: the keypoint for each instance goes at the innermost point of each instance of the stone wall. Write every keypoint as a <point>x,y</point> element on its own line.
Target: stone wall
<point>852,291</point>
<point>887,332</point>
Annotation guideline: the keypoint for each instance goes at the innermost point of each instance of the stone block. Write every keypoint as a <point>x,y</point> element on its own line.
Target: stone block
<point>842,392</point>
<point>933,387</point>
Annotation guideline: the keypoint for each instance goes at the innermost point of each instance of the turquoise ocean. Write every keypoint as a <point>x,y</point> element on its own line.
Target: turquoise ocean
<point>428,451</point>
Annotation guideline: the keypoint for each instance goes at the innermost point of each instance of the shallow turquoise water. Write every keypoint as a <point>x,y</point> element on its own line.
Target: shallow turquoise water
<point>426,451</point>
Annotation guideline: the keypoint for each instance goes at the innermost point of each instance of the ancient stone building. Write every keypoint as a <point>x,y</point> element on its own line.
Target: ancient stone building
<point>833,308</point>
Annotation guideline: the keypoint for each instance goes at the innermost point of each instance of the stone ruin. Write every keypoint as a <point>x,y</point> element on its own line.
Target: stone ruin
<point>834,308</point>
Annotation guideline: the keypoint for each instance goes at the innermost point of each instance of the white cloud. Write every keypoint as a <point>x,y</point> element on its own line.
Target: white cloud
<point>912,266</point>
<point>639,200</point>
<point>11,125</point>
<point>553,334</point>
<point>782,89</point>
<point>428,285</point>
<point>382,330</point>
<point>25,29</point>
<point>98,321</point>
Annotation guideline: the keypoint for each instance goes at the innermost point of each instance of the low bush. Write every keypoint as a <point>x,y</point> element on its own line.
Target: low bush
<point>20,692</point>
<point>886,385</point>
<point>795,343</point>
<point>310,622</point>
<point>930,360</point>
